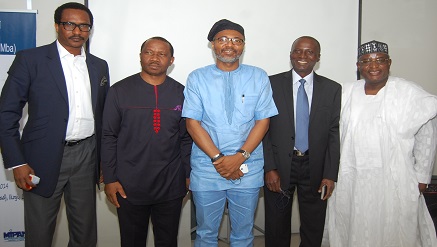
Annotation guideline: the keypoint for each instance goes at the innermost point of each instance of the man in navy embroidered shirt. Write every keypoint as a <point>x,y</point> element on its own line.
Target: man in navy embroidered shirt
<point>146,149</point>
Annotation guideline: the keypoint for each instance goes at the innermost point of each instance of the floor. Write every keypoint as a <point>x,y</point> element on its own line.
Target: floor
<point>259,241</point>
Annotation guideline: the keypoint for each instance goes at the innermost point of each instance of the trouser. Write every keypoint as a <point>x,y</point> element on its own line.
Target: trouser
<point>134,222</point>
<point>210,205</point>
<point>312,210</point>
<point>76,182</point>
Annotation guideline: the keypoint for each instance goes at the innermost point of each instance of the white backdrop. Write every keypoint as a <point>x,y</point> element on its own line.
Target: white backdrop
<point>270,28</point>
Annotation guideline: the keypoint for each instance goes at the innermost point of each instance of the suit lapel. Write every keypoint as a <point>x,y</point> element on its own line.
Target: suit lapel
<point>92,71</point>
<point>287,91</point>
<point>55,68</point>
<point>317,95</point>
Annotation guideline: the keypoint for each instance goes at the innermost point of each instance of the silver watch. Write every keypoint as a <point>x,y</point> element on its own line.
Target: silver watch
<point>245,154</point>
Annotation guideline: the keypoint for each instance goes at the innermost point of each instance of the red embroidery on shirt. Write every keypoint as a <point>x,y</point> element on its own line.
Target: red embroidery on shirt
<point>156,113</point>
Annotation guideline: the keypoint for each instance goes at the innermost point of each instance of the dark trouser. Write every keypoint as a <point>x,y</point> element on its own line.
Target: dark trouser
<point>312,210</point>
<point>134,222</point>
<point>76,183</point>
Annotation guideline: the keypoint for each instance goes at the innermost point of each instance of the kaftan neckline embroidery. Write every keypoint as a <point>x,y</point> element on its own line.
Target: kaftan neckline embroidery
<point>156,113</point>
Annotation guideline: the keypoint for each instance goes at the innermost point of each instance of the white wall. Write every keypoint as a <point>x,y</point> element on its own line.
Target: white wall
<point>270,30</point>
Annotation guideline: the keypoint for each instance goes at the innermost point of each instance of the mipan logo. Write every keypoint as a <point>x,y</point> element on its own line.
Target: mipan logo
<point>14,236</point>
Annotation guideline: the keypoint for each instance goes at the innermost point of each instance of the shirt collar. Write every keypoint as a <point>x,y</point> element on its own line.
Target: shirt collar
<point>230,72</point>
<point>64,53</point>
<point>309,78</point>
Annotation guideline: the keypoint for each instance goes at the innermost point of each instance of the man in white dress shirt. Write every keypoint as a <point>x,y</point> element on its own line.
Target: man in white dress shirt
<point>65,88</point>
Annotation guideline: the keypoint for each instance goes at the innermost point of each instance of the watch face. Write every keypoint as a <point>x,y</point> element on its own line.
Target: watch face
<point>245,154</point>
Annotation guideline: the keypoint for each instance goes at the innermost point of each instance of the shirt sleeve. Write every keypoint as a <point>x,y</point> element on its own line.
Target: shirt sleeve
<point>265,107</point>
<point>186,143</point>
<point>424,151</point>
<point>193,107</point>
<point>110,130</point>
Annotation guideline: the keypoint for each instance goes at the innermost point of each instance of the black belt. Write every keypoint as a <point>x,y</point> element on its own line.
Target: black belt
<point>75,142</point>
<point>300,154</point>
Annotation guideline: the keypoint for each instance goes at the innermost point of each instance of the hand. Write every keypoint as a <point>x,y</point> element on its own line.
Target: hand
<point>422,187</point>
<point>236,175</point>
<point>187,185</point>
<point>101,177</point>
<point>228,165</point>
<point>330,185</point>
<point>21,176</point>
<point>111,191</point>
<point>273,181</point>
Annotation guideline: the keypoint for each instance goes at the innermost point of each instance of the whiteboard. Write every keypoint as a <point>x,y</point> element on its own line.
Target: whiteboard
<point>120,27</point>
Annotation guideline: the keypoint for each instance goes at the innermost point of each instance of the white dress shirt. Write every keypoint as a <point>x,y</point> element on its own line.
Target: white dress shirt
<point>81,119</point>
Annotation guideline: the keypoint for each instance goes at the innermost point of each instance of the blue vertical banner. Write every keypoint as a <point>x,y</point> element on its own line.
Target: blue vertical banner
<point>17,32</point>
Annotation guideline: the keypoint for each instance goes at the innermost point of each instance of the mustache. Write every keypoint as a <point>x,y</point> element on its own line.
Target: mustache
<point>76,36</point>
<point>154,63</point>
<point>228,49</point>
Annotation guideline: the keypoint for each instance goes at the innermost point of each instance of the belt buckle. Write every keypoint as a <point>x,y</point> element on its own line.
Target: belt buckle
<point>72,143</point>
<point>299,153</point>
<point>75,142</point>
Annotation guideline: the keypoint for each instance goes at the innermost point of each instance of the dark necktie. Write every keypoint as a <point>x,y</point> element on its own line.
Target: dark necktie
<point>302,118</point>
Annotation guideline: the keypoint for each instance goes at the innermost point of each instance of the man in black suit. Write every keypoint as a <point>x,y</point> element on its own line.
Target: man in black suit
<point>306,160</point>
<point>65,89</point>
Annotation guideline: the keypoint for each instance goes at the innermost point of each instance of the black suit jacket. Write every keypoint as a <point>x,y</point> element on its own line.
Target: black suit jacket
<point>324,140</point>
<point>36,77</point>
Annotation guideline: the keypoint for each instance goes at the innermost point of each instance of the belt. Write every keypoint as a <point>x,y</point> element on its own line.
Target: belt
<point>300,154</point>
<point>75,142</point>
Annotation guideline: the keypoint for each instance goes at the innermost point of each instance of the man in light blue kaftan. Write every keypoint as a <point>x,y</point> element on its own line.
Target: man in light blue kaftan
<point>227,106</point>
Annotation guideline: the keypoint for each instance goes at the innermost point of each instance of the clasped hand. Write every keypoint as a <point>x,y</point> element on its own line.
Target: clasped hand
<point>229,166</point>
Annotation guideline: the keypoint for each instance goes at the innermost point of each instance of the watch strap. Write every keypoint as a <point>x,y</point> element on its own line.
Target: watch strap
<point>245,154</point>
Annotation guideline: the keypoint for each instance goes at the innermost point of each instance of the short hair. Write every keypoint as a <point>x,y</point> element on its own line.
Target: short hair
<point>161,39</point>
<point>309,37</point>
<point>72,5</point>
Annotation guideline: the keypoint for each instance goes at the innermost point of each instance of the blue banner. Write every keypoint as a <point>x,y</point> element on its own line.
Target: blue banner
<point>17,32</point>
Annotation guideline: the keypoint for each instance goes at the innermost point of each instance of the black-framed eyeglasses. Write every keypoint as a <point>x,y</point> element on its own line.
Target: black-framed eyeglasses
<point>379,60</point>
<point>283,199</point>
<point>224,40</point>
<point>70,26</point>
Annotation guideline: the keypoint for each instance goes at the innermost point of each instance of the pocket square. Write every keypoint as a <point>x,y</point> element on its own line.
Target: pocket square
<point>103,81</point>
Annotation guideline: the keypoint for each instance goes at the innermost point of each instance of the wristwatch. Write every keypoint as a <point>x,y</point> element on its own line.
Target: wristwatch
<point>245,154</point>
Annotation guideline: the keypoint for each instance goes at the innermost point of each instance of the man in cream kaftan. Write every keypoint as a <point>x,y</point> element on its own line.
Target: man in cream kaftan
<point>388,146</point>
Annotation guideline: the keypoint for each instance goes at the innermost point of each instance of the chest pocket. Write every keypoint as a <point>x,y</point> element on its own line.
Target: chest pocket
<point>246,106</point>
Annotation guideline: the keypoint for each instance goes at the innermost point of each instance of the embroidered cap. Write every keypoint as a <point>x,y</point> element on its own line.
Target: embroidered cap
<point>224,24</point>
<point>372,47</point>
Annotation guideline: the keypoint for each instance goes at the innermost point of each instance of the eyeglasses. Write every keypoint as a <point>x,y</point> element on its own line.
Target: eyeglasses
<point>224,40</point>
<point>379,60</point>
<point>70,26</point>
<point>283,199</point>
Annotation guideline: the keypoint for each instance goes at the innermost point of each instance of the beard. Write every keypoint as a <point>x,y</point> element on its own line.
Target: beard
<point>227,59</point>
